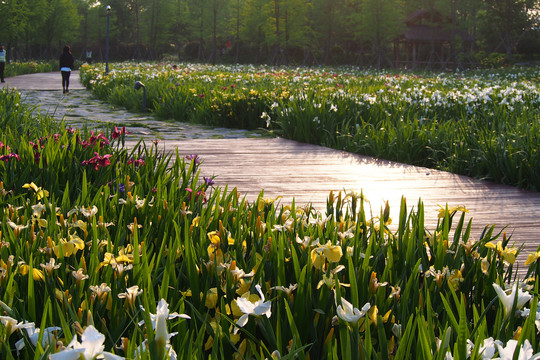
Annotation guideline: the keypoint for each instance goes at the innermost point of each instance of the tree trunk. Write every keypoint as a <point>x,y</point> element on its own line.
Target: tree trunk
<point>277,54</point>
<point>214,35</point>
<point>237,40</point>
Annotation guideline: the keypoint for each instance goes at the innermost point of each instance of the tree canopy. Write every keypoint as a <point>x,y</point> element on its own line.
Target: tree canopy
<point>361,32</point>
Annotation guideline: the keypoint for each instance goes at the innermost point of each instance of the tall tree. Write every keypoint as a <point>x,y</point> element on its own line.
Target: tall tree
<point>509,20</point>
<point>181,31</point>
<point>336,26</point>
<point>274,25</point>
<point>235,22</point>
<point>295,27</point>
<point>37,16</point>
<point>219,16</point>
<point>253,29</point>
<point>15,22</point>
<point>198,10</point>
<point>161,19</point>
<point>135,10</point>
<point>62,24</point>
<point>382,22</point>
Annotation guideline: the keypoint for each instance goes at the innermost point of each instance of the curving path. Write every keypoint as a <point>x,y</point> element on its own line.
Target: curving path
<point>304,172</point>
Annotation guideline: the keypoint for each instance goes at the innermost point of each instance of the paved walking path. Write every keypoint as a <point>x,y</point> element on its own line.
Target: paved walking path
<point>79,107</point>
<point>304,172</point>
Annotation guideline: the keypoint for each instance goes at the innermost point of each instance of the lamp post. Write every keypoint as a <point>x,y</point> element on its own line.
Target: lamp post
<point>139,85</point>
<point>107,40</point>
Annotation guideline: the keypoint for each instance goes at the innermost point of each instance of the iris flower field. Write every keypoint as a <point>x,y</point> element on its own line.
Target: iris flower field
<point>114,252</point>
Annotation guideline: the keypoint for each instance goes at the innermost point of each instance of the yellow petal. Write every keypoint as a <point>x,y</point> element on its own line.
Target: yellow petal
<point>317,259</point>
<point>214,238</point>
<point>68,248</point>
<point>30,186</point>
<point>211,298</point>
<point>124,259</point>
<point>509,256</point>
<point>333,253</point>
<point>243,344</point>
<point>42,193</point>
<point>77,242</point>
<point>532,258</point>
<point>243,287</point>
<point>386,316</point>
<point>236,310</point>
<point>108,258</point>
<point>216,255</point>
<point>209,343</point>
<point>391,345</point>
<point>372,314</point>
<point>485,266</point>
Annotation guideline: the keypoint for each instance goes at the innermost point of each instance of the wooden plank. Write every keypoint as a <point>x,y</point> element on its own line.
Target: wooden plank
<point>308,173</point>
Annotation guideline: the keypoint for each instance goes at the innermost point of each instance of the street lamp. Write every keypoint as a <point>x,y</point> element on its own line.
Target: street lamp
<point>107,40</point>
<point>139,85</point>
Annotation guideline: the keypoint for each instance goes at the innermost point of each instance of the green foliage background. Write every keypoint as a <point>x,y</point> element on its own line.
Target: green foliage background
<point>267,31</point>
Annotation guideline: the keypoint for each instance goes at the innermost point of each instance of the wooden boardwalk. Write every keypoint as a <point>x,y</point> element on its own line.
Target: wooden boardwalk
<point>307,173</point>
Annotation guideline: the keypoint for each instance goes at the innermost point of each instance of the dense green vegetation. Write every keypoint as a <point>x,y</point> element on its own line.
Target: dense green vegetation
<point>21,68</point>
<point>362,32</point>
<point>115,244</point>
<point>483,124</point>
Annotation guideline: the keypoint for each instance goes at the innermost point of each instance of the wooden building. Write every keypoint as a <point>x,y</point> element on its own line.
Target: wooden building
<point>430,40</point>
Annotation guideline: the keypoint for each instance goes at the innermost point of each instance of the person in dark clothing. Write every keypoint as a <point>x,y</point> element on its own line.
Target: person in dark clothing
<point>2,62</point>
<point>66,65</point>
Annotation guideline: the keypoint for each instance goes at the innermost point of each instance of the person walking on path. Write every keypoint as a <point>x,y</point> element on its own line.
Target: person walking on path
<point>66,65</point>
<point>2,62</point>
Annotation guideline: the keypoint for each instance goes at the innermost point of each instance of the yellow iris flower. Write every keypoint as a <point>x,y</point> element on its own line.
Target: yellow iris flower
<point>124,257</point>
<point>36,273</point>
<point>508,254</point>
<point>451,210</point>
<point>38,190</point>
<point>532,258</point>
<point>211,298</point>
<point>214,249</point>
<point>69,247</point>
<point>455,278</point>
<point>332,253</point>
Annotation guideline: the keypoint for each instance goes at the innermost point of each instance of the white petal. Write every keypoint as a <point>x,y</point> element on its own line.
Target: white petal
<point>523,298</point>
<point>242,320</point>
<point>110,356</point>
<point>69,354</point>
<point>92,341</point>
<point>505,299</point>
<point>258,287</point>
<point>526,351</point>
<point>172,353</point>
<point>162,308</point>
<point>264,309</point>
<point>366,307</point>
<point>346,315</point>
<point>508,351</point>
<point>19,345</point>
<point>347,306</point>
<point>246,306</point>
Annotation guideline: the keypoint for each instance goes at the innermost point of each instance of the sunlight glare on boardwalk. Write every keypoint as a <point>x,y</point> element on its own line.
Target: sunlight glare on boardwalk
<point>307,173</point>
